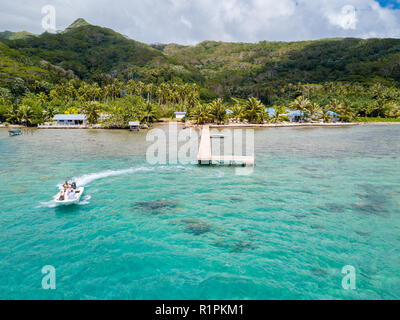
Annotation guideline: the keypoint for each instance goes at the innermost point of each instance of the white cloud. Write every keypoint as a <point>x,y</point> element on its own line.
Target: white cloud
<point>191,21</point>
<point>186,22</point>
<point>345,19</point>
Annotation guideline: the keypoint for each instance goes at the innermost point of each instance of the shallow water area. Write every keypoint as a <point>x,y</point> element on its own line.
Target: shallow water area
<point>319,199</point>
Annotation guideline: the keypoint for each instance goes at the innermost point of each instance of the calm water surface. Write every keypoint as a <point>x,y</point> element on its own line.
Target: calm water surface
<point>319,199</point>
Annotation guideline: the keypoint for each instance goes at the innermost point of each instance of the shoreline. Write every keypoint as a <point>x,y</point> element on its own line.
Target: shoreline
<point>230,125</point>
<point>275,125</point>
<point>283,125</point>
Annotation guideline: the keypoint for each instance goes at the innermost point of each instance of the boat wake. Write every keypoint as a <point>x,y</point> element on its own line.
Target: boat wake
<point>86,179</point>
<point>85,200</point>
<point>48,204</point>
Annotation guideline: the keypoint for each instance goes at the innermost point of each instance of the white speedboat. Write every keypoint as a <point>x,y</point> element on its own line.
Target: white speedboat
<point>78,196</point>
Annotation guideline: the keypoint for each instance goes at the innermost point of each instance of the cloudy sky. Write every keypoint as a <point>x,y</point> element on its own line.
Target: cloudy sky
<point>192,21</point>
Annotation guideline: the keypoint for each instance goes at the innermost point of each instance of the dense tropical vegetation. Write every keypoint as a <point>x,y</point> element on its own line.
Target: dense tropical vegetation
<point>93,70</point>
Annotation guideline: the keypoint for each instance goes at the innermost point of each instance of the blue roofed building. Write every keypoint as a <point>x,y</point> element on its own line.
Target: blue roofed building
<point>270,112</point>
<point>334,116</point>
<point>70,119</point>
<point>296,115</point>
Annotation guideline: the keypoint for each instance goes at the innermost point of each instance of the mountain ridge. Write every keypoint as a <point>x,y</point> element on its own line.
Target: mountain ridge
<point>10,35</point>
<point>78,23</point>
<point>95,53</point>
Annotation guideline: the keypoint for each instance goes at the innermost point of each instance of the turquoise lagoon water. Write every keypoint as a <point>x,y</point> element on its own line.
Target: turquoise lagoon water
<point>318,199</point>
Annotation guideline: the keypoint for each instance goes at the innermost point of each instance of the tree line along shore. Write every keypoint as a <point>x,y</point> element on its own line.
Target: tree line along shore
<point>147,103</point>
<point>92,70</point>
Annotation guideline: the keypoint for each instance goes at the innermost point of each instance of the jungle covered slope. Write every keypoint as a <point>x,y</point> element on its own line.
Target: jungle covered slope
<point>363,75</point>
<point>243,69</point>
<point>95,53</point>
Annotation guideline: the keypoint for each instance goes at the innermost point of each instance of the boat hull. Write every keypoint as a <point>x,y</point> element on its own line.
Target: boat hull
<point>79,194</point>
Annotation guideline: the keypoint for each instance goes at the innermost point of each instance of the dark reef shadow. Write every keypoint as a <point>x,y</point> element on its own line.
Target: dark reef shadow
<point>155,207</point>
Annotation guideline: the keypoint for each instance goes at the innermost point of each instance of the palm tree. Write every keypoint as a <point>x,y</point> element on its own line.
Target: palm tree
<point>193,97</point>
<point>42,98</point>
<point>70,89</point>
<point>218,111</point>
<point>131,87</point>
<point>160,93</point>
<point>300,104</point>
<point>12,114</point>
<point>344,112</point>
<point>254,111</point>
<point>237,109</point>
<point>149,113</point>
<point>313,109</point>
<point>95,91</point>
<point>72,110</point>
<point>326,117</point>
<point>92,110</point>
<point>279,112</point>
<point>21,115</point>
<point>201,114</point>
<point>49,113</point>
<point>149,90</point>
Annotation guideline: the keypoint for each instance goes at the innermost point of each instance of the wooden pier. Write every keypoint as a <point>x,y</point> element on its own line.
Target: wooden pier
<point>205,156</point>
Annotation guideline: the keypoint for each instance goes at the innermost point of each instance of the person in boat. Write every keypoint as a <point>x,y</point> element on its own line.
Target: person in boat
<point>66,185</point>
<point>61,196</point>
<point>71,194</point>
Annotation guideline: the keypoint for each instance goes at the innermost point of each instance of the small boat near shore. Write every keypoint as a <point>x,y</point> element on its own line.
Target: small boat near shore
<point>13,133</point>
<point>78,196</point>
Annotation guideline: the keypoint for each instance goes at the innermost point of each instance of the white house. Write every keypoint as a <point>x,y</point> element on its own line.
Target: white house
<point>70,119</point>
<point>180,115</point>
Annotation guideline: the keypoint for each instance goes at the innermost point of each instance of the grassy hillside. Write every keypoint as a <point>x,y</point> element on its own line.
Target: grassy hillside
<point>221,69</point>
<point>15,65</point>
<point>357,77</point>
<point>242,68</point>
<point>94,53</point>
<point>9,35</point>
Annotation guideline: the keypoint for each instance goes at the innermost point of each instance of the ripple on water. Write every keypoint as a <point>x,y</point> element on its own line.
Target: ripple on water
<point>179,232</point>
<point>234,245</point>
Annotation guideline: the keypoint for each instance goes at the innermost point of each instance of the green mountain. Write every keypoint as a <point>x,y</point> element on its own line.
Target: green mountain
<point>9,35</point>
<point>96,53</point>
<point>14,65</point>
<point>77,24</point>
<point>261,69</point>
<point>238,67</point>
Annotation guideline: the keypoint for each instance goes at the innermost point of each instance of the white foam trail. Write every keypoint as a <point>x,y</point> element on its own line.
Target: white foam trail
<point>85,200</point>
<point>86,179</point>
<point>48,204</point>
